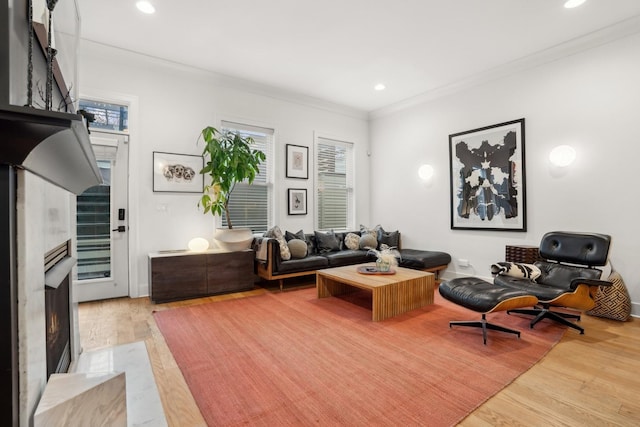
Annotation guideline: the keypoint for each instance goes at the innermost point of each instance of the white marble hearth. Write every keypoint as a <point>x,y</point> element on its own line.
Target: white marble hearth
<point>144,407</point>
<point>79,400</point>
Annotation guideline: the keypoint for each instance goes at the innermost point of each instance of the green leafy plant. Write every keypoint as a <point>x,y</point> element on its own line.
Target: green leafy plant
<point>229,159</point>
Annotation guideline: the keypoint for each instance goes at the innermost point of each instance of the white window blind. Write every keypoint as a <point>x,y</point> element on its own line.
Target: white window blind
<point>334,166</point>
<point>250,205</point>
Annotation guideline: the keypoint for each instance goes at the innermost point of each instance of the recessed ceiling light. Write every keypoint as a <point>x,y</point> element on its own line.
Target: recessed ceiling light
<point>379,87</point>
<point>570,4</point>
<point>145,7</point>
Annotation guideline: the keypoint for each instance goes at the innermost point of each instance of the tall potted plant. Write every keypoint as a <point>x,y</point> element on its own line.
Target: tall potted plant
<point>229,159</point>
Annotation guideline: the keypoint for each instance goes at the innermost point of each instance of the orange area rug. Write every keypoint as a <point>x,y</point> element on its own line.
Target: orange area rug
<point>292,359</point>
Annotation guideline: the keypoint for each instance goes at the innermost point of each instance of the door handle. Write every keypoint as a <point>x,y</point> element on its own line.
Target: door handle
<point>120,229</point>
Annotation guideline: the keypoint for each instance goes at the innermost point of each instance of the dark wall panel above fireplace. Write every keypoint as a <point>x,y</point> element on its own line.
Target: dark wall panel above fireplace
<point>52,145</point>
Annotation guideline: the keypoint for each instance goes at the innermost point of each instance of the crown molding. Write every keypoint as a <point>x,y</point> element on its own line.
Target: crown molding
<point>579,44</point>
<point>245,85</point>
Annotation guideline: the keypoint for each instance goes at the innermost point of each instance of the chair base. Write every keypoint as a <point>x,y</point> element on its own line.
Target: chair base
<point>546,313</point>
<point>484,325</point>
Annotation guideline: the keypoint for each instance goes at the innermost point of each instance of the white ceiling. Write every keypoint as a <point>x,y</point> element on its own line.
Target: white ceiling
<point>337,50</point>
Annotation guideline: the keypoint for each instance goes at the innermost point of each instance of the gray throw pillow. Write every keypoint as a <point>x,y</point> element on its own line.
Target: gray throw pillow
<point>366,230</point>
<point>327,242</point>
<point>368,241</point>
<point>389,238</point>
<point>299,235</point>
<point>298,248</point>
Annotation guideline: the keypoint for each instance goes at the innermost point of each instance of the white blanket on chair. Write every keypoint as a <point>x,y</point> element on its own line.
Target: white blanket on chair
<point>261,253</point>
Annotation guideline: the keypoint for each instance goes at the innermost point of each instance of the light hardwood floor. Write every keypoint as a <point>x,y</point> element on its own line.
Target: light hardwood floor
<point>585,380</point>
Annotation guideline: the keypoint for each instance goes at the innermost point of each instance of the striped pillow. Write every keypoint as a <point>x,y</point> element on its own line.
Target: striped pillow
<point>516,269</point>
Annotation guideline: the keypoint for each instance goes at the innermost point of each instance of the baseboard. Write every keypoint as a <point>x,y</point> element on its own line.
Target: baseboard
<point>143,291</point>
<point>635,309</point>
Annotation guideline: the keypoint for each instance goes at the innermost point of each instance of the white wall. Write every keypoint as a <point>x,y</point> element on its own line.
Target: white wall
<point>174,103</point>
<point>590,100</point>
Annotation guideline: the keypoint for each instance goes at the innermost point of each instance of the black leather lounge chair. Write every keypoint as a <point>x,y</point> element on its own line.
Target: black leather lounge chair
<point>568,276</point>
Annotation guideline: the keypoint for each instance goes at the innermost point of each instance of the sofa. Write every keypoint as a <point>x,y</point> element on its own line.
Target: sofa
<point>329,249</point>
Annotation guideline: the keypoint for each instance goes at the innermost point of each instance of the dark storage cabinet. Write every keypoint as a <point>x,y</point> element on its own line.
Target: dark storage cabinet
<point>184,275</point>
<point>229,272</point>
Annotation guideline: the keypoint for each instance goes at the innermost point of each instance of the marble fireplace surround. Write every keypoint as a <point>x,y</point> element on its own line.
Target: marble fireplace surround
<point>44,220</point>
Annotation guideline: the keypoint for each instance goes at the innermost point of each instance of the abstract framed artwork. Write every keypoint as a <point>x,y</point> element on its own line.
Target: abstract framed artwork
<point>488,178</point>
<point>177,173</point>
<point>297,161</point>
<point>297,201</point>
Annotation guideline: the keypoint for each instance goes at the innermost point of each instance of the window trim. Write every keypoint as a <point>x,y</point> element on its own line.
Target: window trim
<point>351,181</point>
<point>257,125</point>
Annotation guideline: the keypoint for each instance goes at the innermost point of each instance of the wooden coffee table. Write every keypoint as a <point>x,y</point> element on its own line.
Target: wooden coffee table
<point>392,294</point>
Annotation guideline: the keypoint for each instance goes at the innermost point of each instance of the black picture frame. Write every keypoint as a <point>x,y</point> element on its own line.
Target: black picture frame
<point>488,185</point>
<point>177,173</point>
<point>297,201</point>
<point>297,161</point>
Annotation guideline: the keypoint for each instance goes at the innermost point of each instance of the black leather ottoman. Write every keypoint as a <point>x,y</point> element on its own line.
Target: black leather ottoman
<point>420,260</point>
<point>432,261</point>
<point>484,297</point>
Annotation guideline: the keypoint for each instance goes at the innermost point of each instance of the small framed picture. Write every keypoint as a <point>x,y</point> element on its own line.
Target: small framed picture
<point>177,173</point>
<point>297,201</point>
<point>297,161</point>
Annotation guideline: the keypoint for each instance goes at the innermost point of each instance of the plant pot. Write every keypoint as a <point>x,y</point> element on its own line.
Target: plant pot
<point>233,240</point>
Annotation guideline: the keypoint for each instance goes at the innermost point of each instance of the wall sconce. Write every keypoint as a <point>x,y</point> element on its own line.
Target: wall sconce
<point>145,7</point>
<point>570,4</point>
<point>562,156</point>
<point>198,244</point>
<point>425,172</point>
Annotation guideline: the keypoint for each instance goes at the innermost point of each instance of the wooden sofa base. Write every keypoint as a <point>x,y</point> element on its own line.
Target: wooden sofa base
<point>264,273</point>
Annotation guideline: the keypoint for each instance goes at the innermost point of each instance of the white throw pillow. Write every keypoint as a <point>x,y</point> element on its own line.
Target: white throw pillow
<point>516,269</point>
<point>276,233</point>
<point>352,241</point>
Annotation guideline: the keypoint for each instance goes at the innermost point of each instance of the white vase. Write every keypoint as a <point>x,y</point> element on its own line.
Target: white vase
<point>233,240</point>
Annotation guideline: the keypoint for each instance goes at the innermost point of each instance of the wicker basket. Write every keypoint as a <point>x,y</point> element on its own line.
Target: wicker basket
<point>523,254</point>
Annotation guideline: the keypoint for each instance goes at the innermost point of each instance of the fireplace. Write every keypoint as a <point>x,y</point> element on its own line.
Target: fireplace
<point>45,158</point>
<point>58,328</point>
<point>58,264</point>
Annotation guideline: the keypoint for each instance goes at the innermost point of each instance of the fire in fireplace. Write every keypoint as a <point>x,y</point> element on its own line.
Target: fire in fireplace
<point>58,265</point>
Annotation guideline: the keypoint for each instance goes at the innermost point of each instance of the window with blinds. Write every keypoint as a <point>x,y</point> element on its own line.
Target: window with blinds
<point>334,166</point>
<point>250,205</point>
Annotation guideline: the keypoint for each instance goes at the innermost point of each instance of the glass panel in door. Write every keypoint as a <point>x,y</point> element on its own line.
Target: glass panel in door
<point>94,228</point>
